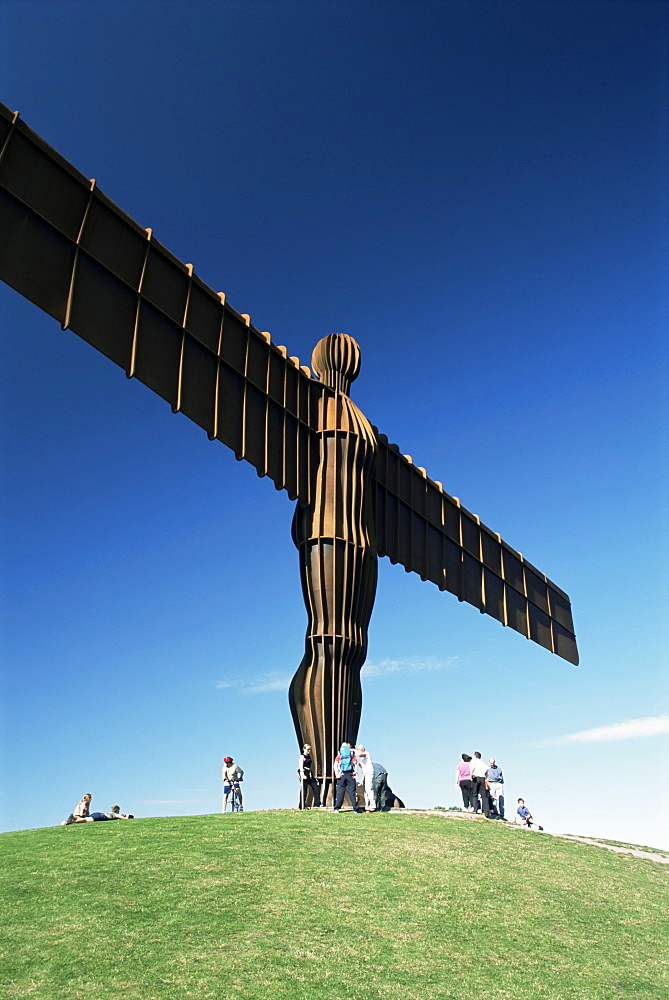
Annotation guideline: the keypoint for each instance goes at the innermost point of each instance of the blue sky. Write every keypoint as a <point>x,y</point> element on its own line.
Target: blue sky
<point>477,192</point>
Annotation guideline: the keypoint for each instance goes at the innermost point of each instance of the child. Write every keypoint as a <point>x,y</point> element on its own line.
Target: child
<point>524,816</point>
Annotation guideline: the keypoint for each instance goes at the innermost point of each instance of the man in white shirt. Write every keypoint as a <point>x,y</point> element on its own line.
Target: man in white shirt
<point>478,769</point>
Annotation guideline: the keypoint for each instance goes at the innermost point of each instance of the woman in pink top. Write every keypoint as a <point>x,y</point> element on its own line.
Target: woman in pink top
<point>463,781</point>
<point>81,812</point>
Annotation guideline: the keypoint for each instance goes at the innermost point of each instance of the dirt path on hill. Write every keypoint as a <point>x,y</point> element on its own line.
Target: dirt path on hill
<point>636,852</point>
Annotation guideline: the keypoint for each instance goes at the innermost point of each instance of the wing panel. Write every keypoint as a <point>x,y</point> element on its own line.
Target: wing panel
<point>418,545</point>
<point>35,259</point>
<point>379,504</point>
<point>472,577</point>
<point>434,505</point>
<point>165,283</point>
<point>115,241</point>
<point>540,627</point>
<point>255,428</point>
<point>277,378</point>
<point>516,610</point>
<point>494,595</point>
<point>537,589</point>
<point>390,546</point>
<point>5,129</point>
<point>204,319</point>
<point>406,478</point>
<point>275,443</point>
<point>435,555</point>
<point>103,311</point>
<point>158,353</point>
<point>291,433</point>
<point>513,569</point>
<point>404,526</point>
<point>292,389</point>
<point>443,542</point>
<point>54,193</point>
<point>198,384</point>
<point>230,409</point>
<point>471,534</point>
<point>565,644</point>
<point>560,608</point>
<point>491,551</point>
<point>451,515</point>
<point>453,567</point>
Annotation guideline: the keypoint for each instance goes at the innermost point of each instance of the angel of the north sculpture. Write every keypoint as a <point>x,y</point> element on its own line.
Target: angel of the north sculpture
<point>73,253</point>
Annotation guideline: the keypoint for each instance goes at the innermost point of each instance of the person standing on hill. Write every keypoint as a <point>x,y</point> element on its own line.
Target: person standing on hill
<point>463,781</point>
<point>345,766</point>
<point>307,779</point>
<point>479,769</point>
<point>232,775</point>
<point>366,776</point>
<point>380,786</point>
<point>495,780</point>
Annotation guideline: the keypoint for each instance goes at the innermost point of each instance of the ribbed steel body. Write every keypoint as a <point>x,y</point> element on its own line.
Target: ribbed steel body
<point>338,566</point>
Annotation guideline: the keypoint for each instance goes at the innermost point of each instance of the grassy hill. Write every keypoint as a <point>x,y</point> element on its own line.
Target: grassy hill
<point>320,906</point>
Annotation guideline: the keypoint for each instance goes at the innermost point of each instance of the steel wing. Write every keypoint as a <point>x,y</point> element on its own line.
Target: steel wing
<point>70,250</point>
<point>430,533</point>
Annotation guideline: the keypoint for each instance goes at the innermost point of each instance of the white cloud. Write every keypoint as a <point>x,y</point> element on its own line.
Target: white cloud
<point>413,666</point>
<point>268,683</point>
<point>260,684</point>
<point>633,729</point>
<point>378,669</point>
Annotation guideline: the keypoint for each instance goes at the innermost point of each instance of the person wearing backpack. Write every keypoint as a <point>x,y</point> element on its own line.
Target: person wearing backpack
<point>345,767</point>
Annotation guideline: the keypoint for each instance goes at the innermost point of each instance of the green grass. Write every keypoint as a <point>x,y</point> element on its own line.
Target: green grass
<point>285,906</point>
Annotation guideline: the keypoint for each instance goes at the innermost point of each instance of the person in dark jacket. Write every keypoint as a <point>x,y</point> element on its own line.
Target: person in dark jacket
<point>307,780</point>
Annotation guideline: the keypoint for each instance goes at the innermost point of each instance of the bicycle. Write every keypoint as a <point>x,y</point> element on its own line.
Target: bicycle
<point>233,799</point>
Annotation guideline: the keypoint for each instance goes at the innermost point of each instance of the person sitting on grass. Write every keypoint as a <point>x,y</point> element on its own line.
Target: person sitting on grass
<point>81,811</point>
<point>114,813</point>
<point>524,816</point>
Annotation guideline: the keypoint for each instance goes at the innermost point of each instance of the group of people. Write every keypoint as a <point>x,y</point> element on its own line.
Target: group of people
<point>353,769</point>
<point>481,785</point>
<point>82,813</point>
<point>482,788</point>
